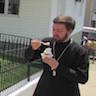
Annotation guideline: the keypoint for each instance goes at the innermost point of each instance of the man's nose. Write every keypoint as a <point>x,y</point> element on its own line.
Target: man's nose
<point>55,31</point>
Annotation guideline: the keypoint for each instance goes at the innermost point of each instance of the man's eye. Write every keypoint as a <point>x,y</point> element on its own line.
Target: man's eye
<point>59,31</point>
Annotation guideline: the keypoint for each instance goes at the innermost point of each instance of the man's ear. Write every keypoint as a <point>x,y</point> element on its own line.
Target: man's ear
<point>70,31</point>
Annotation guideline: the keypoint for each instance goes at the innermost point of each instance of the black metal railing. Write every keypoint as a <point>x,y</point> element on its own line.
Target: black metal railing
<point>13,67</point>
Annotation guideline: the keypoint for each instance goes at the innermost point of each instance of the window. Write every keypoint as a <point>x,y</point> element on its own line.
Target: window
<point>2,4</point>
<point>9,7</point>
<point>13,7</point>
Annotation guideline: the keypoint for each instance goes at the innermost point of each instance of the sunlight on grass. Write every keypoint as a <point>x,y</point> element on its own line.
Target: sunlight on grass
<point>13,72</point>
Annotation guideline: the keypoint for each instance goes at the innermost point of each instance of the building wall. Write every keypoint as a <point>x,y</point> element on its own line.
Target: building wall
<point>77,37</point>
<point>77,11</point>
<point>88,12</point>
<point>71,8</point>
<point>33,20</point>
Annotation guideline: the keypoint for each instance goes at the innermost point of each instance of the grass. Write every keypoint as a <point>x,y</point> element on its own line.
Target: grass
<point>13,72</point>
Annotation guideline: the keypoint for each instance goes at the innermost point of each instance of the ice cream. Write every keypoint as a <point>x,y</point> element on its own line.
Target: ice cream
<point>47,52</point>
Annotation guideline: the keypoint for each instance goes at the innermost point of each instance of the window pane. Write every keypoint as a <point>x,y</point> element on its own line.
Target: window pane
<point>13,7</point>
<point>2,4</point>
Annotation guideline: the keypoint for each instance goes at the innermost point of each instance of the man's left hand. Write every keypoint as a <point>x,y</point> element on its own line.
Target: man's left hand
<point>52,62</point>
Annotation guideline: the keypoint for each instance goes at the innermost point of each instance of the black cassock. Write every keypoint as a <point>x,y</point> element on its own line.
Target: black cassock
<point>72,69</point>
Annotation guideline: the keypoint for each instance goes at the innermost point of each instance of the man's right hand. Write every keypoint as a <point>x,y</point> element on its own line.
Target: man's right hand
<point>35,44</point>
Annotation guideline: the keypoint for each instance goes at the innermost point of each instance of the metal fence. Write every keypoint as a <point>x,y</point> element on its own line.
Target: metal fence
<point>13,67</point>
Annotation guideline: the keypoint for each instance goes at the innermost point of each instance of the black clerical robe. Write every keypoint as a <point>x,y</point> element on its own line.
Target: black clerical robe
<point>72,69</point>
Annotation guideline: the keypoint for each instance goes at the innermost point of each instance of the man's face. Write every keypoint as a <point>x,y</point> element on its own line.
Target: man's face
<point>60,33</point>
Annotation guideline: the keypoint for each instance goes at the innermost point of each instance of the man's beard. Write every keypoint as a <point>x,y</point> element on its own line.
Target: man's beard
<point>62,39</point>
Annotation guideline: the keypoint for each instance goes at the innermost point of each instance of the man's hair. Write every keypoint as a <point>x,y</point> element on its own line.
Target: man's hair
<point>68,21</point>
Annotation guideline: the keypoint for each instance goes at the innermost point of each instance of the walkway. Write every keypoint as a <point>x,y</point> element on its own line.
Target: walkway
<point>89,89</point>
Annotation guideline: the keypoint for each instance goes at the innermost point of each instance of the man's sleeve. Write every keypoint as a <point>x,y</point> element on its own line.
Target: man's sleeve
<point>31,55</point>
<point>79,74</point>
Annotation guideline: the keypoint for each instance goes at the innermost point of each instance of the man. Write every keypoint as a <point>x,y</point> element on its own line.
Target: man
<point>68,66</point>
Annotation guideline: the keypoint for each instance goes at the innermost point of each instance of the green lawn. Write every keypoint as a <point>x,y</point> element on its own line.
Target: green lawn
<point>13,72</point>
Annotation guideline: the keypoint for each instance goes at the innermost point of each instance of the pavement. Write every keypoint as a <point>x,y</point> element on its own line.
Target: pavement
<point>89,89</point>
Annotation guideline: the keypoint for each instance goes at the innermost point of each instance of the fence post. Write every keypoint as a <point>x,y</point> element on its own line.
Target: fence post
<point>28,71</point>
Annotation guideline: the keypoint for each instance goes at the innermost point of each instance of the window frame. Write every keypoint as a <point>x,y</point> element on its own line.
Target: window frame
<point>6,9</point>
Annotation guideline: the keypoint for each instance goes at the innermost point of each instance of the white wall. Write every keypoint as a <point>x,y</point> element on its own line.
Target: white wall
<point>33,20</point>
<point>77,11</point>
<point>26,90</point>
<point>94,4</point>
<point>71,8</point>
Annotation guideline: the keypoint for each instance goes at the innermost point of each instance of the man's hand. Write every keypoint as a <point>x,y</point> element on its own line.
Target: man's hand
<point>35,44</point>
<point>52,62</point>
